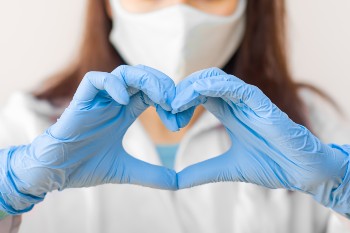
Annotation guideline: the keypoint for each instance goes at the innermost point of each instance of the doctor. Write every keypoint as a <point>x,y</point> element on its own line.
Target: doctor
<point>179,37</point>
<point>51,161</point>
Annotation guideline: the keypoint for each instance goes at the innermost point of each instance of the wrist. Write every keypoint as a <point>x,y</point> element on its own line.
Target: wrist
<point>12,199</point>
<point>339,196</point>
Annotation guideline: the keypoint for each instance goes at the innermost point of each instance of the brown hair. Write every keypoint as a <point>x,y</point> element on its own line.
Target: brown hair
<point>261,59</point>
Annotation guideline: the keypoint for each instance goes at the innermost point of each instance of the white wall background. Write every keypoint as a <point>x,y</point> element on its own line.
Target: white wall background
<point>38,37</point>
<point>320,45</point>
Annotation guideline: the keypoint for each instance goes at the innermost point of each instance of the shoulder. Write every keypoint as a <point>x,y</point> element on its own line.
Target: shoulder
<point>327,122</point>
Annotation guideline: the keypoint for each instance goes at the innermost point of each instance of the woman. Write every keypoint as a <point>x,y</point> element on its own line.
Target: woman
<point>255,54</point>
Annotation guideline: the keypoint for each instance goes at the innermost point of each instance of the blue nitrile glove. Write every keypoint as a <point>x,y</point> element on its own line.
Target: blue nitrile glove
<point>84,148</point>
<point>268,148</point>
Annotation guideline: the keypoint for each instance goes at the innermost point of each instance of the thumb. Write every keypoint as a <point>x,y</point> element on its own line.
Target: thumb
<point>135,171</point>
<point>93,82</point>
<point>222,111</point>
<point>135,107</point>
<point>217,169</point>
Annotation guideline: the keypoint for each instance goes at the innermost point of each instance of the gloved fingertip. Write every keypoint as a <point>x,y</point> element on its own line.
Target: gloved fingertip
<point>175,106</point>
<point>175,127</point>
<point>173,184</point>
<point>166,107</point>
<point>166,181</point>
<point>123,101</point>
<point>172,127</point>
<point>183,182</point>
<point>122,97</point>
<point>200,85</point>
<point>168,119</point>
<point>183,118</point>
<point>166,99</point>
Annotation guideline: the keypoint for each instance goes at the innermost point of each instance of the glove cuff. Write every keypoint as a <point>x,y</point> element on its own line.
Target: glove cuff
<point>12,200</point>
<point>340,197</point>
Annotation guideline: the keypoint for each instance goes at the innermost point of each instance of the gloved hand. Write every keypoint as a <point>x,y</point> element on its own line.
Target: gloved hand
<point>84,148</point>
<point>268,148</point>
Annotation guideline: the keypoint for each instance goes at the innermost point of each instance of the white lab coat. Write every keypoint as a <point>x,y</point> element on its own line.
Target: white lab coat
<point>221,207</point>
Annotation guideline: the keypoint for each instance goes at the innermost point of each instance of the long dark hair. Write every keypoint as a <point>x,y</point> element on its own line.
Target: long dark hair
<point>260,60</point>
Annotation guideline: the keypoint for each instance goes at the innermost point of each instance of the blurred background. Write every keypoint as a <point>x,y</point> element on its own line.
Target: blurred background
<point>39,37</point>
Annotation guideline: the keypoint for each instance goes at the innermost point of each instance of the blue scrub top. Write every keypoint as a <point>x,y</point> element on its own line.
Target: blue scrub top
<point>167,154</point>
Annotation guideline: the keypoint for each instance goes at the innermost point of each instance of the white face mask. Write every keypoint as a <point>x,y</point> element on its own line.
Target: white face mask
<point>177,40</point>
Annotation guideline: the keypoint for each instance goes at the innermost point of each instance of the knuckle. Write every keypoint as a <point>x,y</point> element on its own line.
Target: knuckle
<point>89,74</point>
<point>216,70</point>
<point>120,70</point>
<point>144,79</point>
<point>140,66</point>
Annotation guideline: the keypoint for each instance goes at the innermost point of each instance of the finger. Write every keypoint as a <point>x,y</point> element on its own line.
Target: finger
<point>93,82</point>
<point>213,170</point>
<point>202,74</point>
<point>164,78</point>
<point>157,90</point>
<point>183,118</point>
<point>234,89</point>
<point>156,73</point>
<point>251,106</point>
<point>135,108</point>
<point>186,99</point>
<point>135,171</point>
<point>261,117</point>
<point>168,119</point>
<point>222,111</point>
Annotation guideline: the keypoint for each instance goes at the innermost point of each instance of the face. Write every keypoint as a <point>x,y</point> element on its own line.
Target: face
<point>216,7</point>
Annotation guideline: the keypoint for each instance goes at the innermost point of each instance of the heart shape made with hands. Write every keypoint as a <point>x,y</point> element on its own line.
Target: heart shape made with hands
<point>264,149</point>
<point>84,147</point>
<point>92,128</point>
<point>175,105</point>
<point>262,136</point>
<point>108,104</point>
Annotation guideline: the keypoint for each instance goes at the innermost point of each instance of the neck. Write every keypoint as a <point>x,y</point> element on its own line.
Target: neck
<point>159,133</point>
